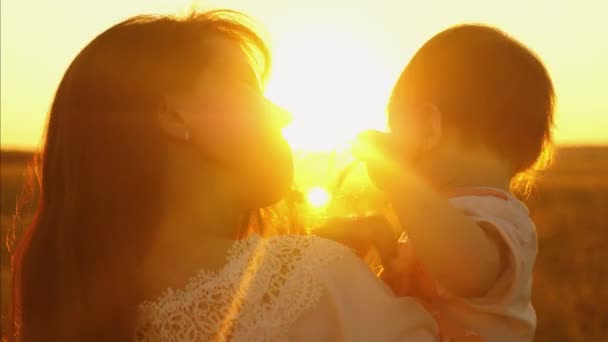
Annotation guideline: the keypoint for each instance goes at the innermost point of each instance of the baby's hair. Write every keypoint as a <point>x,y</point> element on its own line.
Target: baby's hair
<point>490,89</point>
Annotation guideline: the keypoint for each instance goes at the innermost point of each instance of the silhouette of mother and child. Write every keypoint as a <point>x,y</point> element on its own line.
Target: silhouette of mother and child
<point>161,150</point>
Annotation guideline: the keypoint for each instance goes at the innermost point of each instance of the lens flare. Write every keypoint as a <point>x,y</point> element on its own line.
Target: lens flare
<point>318,197</point>
<point>328,107</point>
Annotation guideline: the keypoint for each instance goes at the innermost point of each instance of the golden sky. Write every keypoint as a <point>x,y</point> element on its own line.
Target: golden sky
<point>335,61</point>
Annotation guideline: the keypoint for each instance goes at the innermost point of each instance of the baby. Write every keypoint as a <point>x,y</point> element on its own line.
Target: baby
<point>469,117</point>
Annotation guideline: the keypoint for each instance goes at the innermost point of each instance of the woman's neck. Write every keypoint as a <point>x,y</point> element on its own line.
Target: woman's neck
<point>198,202</point>
<point>198,223</point>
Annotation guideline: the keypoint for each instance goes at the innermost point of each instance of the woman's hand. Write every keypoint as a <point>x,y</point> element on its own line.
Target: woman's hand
<point>400,271</point>
<point>406,276</point>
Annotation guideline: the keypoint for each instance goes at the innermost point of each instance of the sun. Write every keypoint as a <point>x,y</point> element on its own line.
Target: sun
<point>333,85</point>
<point>318,197</point>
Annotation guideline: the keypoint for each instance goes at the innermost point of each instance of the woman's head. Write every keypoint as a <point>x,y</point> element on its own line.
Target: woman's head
<point>142,94</point>
<point>486,89</point>
<point>235,130</point>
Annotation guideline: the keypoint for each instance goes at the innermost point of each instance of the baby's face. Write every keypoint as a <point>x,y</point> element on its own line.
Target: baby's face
<point>419,136</point>
<point>412,130</point>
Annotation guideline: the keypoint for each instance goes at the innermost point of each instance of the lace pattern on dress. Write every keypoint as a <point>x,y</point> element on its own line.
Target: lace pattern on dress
<point>262,290</point>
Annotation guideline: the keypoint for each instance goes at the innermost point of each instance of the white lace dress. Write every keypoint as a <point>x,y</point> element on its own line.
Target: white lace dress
<point>285,288</point>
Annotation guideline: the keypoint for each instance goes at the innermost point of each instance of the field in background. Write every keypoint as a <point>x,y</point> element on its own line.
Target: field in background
<point>569,206</point>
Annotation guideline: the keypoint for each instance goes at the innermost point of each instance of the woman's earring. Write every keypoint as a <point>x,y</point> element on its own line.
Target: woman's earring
<point>187,135</point>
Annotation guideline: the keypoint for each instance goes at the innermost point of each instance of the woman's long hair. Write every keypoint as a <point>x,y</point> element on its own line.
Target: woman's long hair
<point>100,174</point>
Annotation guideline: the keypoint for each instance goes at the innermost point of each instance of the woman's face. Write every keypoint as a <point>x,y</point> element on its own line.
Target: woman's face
<point>237,129</point>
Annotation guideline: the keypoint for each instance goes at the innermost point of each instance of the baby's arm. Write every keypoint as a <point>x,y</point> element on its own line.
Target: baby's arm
<point>457,252</point>
<point>460,254</point>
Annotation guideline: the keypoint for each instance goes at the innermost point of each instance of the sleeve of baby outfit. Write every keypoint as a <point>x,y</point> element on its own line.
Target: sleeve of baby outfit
<point>508,223</point>
<point>357,306</point>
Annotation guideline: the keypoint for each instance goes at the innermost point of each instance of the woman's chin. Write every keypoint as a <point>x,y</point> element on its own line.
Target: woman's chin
<point>260,198</point>
<point>265,176</point>
<point>269,188</point>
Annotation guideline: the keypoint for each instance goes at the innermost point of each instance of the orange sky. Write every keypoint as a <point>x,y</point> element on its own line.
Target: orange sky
<point>335,61</point>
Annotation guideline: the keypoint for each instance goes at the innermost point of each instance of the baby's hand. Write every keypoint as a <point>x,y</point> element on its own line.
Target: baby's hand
<point>380,153</point>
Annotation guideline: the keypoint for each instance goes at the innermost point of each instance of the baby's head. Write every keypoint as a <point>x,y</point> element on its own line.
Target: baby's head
<point>472,87</point>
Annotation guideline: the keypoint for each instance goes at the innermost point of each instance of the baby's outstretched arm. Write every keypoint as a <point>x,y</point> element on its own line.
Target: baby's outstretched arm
<point>457,252</point>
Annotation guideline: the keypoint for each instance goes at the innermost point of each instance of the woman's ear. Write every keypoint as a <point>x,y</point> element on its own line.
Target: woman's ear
<point>172,124</point>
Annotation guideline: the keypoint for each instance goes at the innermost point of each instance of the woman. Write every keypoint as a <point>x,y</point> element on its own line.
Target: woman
<point>159,146</point>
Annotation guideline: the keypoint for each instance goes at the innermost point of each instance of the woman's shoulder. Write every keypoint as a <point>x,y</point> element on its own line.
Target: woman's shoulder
<point>277,278</point>
<point>297,256</point>
<point>312,248</point>
<point>291,275</point>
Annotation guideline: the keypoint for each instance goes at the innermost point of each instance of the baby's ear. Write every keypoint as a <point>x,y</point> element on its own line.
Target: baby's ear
<point>433,125</point>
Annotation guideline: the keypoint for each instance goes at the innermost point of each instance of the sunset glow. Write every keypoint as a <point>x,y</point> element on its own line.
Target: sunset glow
<point>318,197</point>
<point>333,65</point>
<point>331,96</point>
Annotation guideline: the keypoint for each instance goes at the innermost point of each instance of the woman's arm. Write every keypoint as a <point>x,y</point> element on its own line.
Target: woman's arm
<point>361,233</point>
